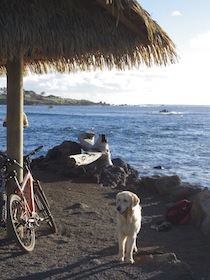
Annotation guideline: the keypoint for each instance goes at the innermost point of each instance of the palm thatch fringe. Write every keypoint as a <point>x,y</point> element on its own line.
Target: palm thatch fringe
<point>69,35</point>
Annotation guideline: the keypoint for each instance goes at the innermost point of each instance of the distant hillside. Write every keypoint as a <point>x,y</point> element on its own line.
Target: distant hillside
<point>32,98</point>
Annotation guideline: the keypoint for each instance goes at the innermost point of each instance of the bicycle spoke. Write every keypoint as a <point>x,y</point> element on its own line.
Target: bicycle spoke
<point>23,229</point>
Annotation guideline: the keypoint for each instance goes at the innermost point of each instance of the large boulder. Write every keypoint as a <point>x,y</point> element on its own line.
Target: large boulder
<point>162,185</point>
<point>150,181</point>
<point>132,175</point>
<point>56,159</point>
<point>200,212</point>
<point>118,174</point>
<point>61,153</point>
<point>184,191</point>
<point>166,184</point>
<point>112,176</point>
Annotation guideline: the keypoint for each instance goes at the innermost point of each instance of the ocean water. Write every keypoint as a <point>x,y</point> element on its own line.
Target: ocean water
<point>179,140</point>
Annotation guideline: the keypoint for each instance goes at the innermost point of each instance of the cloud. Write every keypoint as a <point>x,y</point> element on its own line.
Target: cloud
<point>115,87</point>
<point>184,83</point>
<point>175,84</point>
<point>201,42</point>
<point>176,14</point>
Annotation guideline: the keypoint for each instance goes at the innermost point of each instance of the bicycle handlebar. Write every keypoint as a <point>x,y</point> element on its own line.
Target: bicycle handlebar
<point>33,152</point>
<point>9,161</point>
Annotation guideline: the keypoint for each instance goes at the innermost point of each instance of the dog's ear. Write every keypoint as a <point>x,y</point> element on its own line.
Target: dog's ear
<point>117,197</point>
<point>135,200</point>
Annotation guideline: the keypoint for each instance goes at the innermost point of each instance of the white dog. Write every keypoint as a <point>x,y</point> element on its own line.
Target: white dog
<point>128,224</point>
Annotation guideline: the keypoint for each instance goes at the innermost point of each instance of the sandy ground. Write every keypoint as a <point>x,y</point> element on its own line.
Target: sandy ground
<point>85,246</point>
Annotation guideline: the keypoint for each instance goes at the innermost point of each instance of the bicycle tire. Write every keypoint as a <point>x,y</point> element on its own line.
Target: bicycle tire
<point>3,209</point>
<point>43,206</point>
<point>23,231</point>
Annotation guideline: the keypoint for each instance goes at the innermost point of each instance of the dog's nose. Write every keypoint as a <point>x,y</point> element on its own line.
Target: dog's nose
<point>118,208</point>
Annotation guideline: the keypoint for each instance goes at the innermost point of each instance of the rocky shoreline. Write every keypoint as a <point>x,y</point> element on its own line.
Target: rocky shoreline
<point>85,245</point>
<point>122,174</point>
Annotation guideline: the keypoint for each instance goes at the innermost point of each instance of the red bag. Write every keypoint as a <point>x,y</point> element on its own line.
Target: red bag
<point>179,214</point>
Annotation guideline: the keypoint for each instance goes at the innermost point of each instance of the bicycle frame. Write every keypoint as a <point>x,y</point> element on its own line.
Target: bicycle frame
<point>25,204</point>
<point>27,182</point>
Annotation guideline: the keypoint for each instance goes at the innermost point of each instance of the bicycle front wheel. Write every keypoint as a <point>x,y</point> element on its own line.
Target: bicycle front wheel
<point>23,231</point>
<point>43,206</point>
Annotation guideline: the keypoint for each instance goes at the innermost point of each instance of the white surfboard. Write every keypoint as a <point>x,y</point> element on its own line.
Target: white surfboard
<point>84,159</point>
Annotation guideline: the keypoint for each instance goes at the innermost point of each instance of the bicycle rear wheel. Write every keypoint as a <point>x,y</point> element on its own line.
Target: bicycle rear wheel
<point>43,206</point>
<point>23,230</point>
<point>3,209</point>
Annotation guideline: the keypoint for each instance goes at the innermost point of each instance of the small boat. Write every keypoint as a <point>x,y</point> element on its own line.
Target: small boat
<point>50,107</point>
<point>164,111</point>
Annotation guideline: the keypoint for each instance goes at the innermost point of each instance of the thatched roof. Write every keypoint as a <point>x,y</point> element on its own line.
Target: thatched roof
<point>67,35</point>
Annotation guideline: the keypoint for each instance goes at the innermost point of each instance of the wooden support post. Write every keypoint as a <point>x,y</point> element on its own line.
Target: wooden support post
<point>15,114</point>
<point>14,120</point>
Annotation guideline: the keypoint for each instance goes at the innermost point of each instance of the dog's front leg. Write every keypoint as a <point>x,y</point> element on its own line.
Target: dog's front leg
<point>135,249</point>
<point>121,243</point>
<point>130,247</point>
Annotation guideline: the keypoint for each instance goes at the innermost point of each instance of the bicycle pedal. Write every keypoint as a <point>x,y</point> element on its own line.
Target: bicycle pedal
<point>38,221</point>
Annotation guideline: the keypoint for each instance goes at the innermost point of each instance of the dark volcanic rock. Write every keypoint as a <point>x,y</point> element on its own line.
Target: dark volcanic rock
<point>57,161</point>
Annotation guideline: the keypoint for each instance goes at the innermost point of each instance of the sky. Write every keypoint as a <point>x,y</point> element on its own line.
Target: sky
<point>187,23</point>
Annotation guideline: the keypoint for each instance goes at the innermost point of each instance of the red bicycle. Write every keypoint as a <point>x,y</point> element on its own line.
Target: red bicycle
<point>28,206</point>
